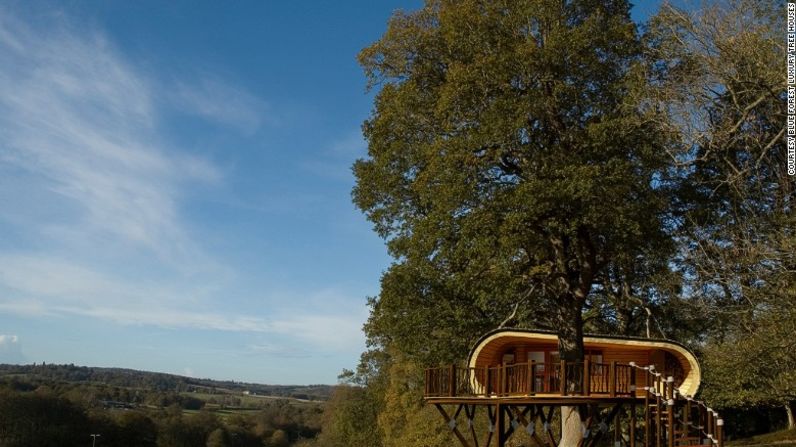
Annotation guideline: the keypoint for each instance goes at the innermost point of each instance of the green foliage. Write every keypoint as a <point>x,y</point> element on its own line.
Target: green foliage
<point>218,438</point>
<point>350,419</point>
<point>37,419</point>
<point>516,182</point>
<point>122,381</point>
<point>535,163</point>
<point>45,417</point>
<point>506,169</point>
<point>720,86</point>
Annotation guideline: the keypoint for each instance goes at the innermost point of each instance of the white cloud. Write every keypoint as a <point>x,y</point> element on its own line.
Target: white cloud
<point>78,125</point>
<point>335,161</point>
<point>6,340</point>
<point>216,100</point>
<point>93,191</point>
<point>45,286</point>
<point>10,349</point>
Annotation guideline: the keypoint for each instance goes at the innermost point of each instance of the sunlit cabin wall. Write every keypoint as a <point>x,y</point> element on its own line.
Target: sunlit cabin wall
<point>491,352</point>
<point>624,356</point>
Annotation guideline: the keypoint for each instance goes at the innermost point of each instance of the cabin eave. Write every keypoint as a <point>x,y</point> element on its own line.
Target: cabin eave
<point>493,341</point>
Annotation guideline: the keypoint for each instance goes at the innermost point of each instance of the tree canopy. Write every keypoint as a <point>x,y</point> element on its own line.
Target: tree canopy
<point>542,163</point>
<point>508,170</point>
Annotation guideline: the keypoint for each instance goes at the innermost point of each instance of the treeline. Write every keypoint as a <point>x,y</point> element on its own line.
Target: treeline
<point>145,380</point>
<point>42,417</point>
<point>552,164</point>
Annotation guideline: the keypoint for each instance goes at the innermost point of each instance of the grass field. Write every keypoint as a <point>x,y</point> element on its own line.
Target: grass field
<point>777,438</point>
<point>248,404</point>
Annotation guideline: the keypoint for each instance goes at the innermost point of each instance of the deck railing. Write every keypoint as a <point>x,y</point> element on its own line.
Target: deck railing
<point>673,418</point>
<point>528,379</point>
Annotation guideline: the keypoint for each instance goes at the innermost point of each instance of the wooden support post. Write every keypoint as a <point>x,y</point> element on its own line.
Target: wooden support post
<point>720,432</point>
<point>631,421</point>
<point>562,377</point>
<point>586,377</point>
<point>618,428</point>
<point>501,426</point>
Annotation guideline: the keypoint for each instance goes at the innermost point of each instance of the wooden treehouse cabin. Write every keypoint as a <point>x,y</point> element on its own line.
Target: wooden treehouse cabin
<point>639,391</point>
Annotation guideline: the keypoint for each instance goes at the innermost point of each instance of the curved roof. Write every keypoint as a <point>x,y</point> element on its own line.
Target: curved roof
<point>689,386</point>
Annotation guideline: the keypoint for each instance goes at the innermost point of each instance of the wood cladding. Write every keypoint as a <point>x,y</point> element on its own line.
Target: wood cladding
<point>492,349</point>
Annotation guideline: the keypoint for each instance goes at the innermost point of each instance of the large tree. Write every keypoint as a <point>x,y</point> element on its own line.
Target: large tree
<point>510,173</point>
<point>719,86</point>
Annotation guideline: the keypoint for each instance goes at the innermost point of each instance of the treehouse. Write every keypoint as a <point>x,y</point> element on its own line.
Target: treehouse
<point>517,373</point>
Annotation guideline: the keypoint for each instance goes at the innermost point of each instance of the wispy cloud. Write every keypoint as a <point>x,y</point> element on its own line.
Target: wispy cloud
<point>78,120</point>
<point>335,161</point>
<point>43,286</point>
<point>93,191</point>
<point>211,98</point>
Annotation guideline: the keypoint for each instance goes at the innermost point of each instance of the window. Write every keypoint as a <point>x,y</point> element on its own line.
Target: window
<point>538,357</point>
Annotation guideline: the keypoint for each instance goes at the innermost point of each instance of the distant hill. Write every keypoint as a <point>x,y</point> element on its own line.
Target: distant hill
<point>146,380</point>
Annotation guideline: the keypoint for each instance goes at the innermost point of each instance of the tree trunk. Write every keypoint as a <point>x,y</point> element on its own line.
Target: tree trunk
<point>570,348</point>
<point>790,408</point>
<point>571,433</point>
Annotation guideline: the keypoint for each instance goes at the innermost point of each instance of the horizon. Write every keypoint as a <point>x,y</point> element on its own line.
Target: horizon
<point>177,187</point>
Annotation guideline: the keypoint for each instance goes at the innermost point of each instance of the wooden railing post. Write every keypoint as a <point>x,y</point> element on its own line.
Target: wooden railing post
<point>562,377</point>
<point>612,379</point>
<point>531,377</point>
<point>710,423</point>
<point>658,411</point>
<point>586,377</point>
<point>452,381</point>
<point>670,410</point>
<point>503,380</point>
<point>647,416</point>
<point>488,381</point>
<point>687,418</point>
<point>425,382</point>
<point>720,432</point>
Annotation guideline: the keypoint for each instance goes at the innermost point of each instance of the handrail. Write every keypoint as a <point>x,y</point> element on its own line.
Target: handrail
<point>531,378</point>
<point>670,418</point>
<point>708,427</point>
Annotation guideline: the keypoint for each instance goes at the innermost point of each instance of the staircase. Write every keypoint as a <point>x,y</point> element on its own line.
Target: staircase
<point>672,419</point>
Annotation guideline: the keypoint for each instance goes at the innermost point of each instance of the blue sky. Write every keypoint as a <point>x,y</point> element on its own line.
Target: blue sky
<point>175,186</point>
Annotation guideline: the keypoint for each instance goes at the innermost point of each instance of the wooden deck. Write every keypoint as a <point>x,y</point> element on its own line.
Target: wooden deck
<point>525,396</point>
<point>566,381</point>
